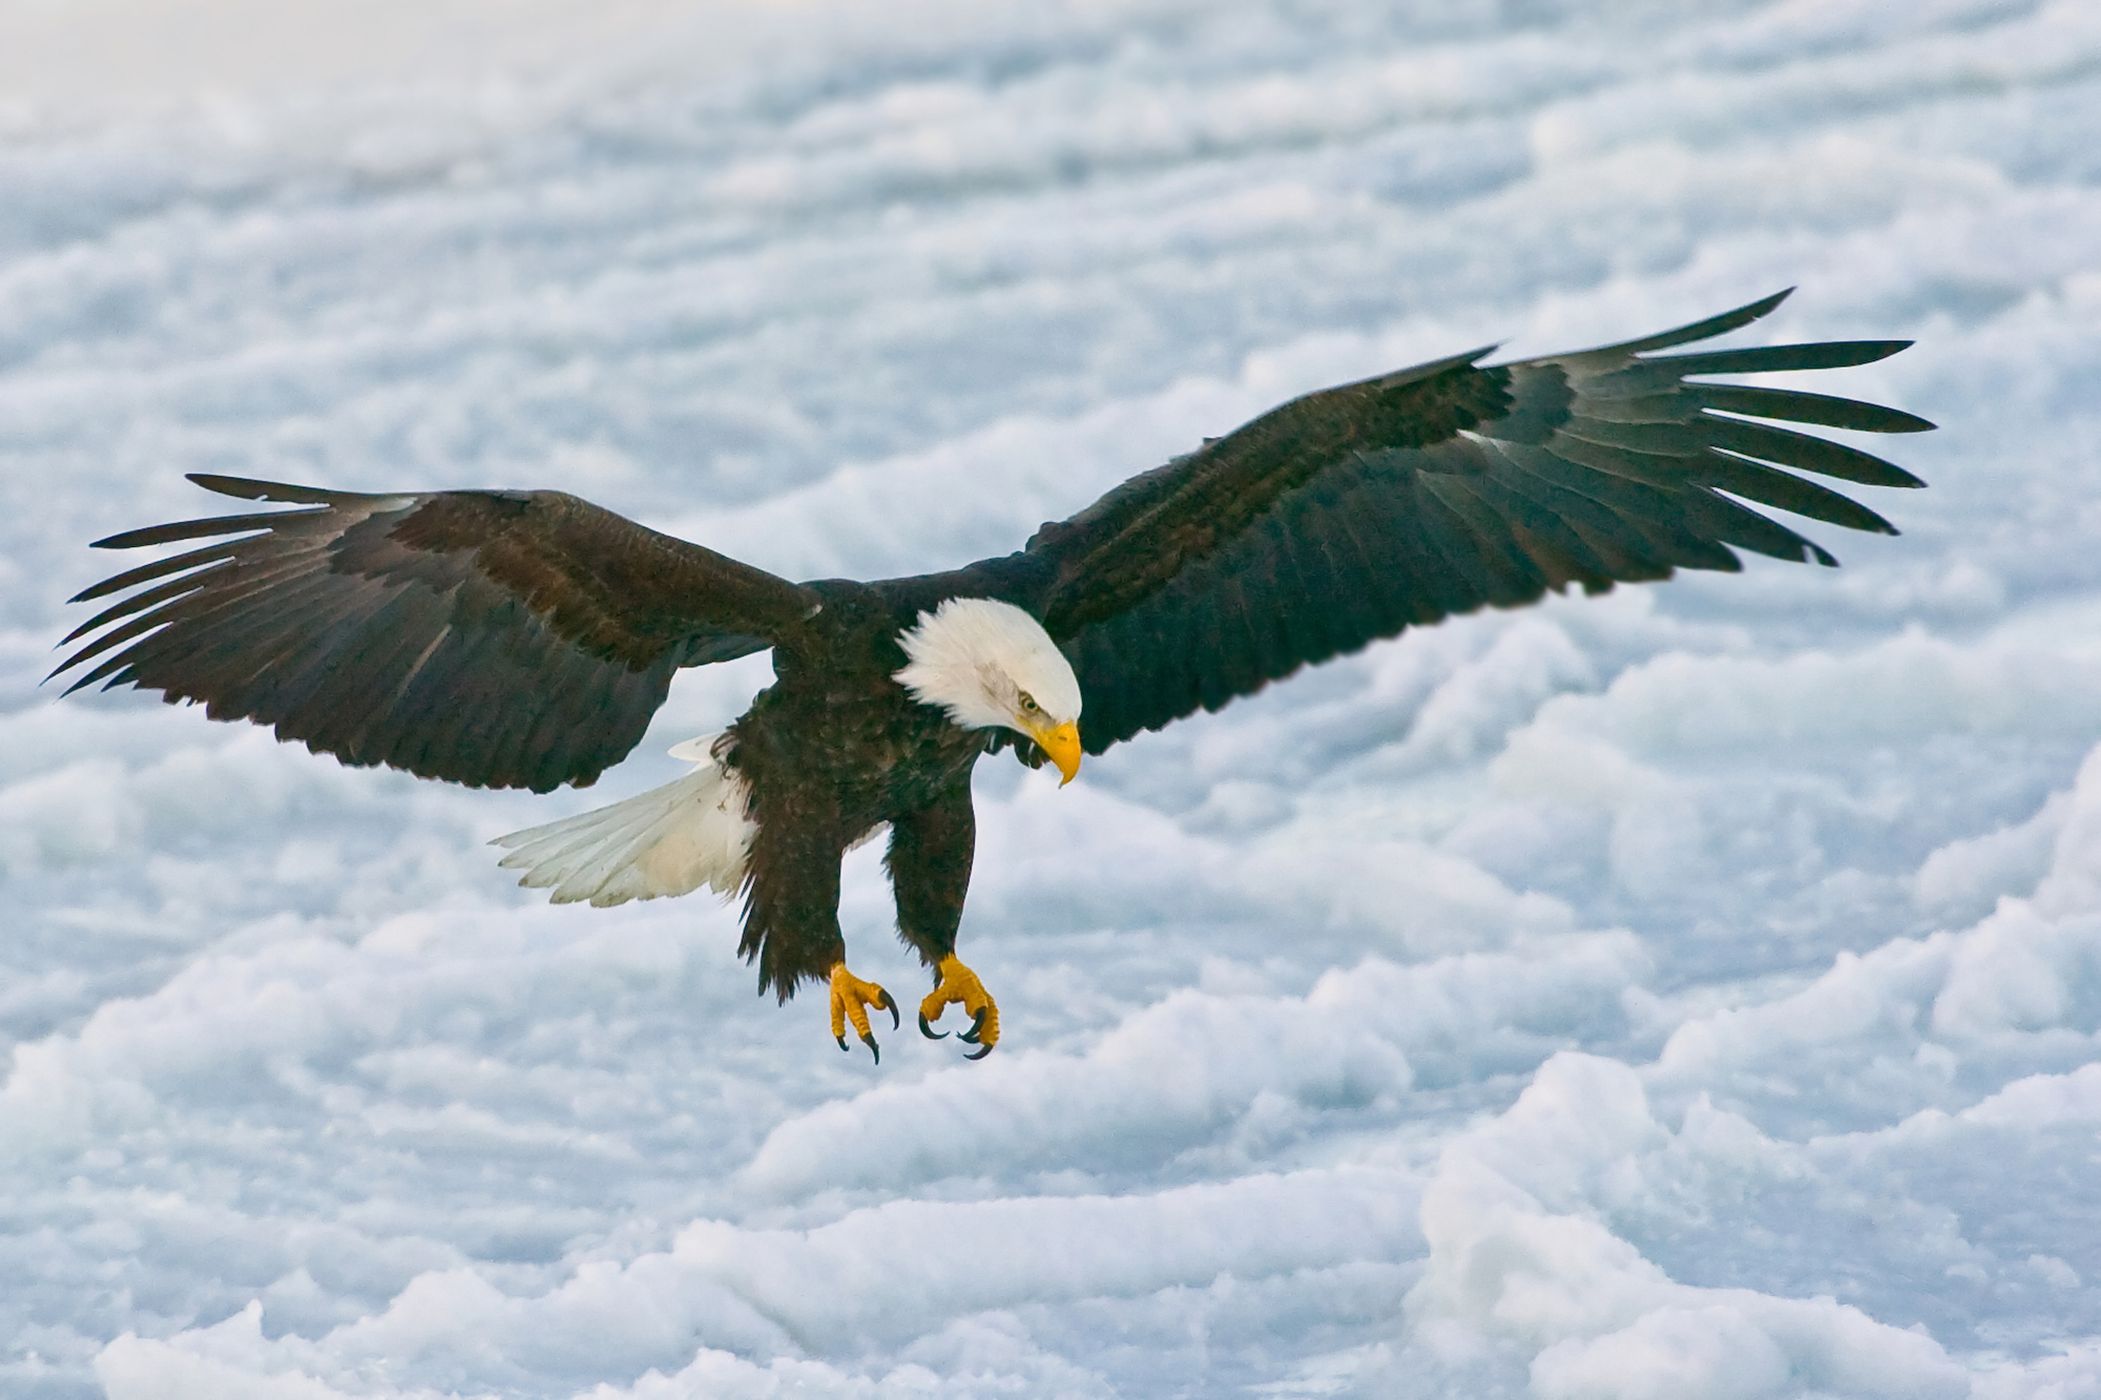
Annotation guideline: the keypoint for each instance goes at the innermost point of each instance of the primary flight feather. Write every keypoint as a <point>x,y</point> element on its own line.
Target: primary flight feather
<point>524,638</point>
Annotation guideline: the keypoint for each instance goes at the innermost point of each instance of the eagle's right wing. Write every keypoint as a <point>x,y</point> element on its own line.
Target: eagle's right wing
<point>494,638</point>
<point>1352,513</point>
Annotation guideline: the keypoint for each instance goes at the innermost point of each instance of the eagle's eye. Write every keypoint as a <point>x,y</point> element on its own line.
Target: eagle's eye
<point>1028,703</point>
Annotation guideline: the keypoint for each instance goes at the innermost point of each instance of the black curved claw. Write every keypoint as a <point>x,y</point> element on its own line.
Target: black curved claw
<point>928,1031</point>
<point>842,1042</point>
<point>977,1027</point>
<point>868,1039</point>
<point>980,1054</point>
<point>889,1004</point>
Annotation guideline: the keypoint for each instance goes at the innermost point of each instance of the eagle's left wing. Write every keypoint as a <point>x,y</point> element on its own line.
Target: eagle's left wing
<point>494,638</point>
<point>1355,512</point>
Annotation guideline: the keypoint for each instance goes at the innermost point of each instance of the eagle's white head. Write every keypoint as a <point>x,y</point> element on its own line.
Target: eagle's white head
<point>992,666</point>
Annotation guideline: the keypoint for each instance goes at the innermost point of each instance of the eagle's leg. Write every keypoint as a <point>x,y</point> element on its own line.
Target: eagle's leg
<point>791,924</point>
<point>929,862</point>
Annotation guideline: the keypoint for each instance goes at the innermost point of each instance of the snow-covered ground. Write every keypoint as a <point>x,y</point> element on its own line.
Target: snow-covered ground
<point>1694,992</point>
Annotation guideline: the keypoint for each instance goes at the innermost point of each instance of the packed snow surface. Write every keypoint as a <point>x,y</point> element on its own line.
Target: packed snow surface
<point>1694,992</point>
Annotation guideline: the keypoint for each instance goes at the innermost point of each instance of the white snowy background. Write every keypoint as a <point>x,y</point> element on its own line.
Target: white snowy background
<point>1694,992</point>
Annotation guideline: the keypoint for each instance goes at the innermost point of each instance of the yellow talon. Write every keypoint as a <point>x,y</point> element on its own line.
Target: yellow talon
<point>851,998</point>
<point>959,984</point>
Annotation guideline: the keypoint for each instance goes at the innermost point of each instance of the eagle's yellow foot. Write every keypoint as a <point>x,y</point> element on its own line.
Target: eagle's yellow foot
<point>958,983</point>
<point>851,998</point>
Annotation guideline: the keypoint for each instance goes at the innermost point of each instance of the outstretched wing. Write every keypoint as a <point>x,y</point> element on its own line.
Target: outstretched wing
<point>1355,512</point>
<point>495,638</point>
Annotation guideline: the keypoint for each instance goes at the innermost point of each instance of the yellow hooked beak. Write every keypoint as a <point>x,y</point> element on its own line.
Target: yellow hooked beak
<point>1063,745</point>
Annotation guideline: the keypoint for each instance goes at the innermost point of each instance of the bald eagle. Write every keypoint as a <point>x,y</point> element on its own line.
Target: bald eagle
<point>524,638</point>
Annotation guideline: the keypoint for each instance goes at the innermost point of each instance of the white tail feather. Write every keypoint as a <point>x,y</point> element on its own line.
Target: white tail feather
<point>667,841</point>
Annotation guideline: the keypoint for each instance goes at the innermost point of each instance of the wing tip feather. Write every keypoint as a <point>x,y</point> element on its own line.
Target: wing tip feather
<point>1705,329</point>
<point>245,488</point>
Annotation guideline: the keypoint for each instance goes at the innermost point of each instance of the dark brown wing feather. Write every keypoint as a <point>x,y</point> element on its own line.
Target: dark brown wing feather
<point>1355,512</point>
<point>495,638</point>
